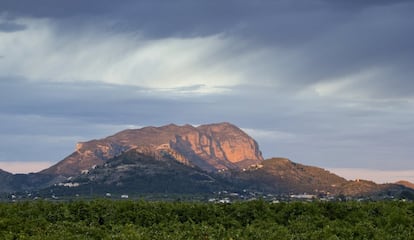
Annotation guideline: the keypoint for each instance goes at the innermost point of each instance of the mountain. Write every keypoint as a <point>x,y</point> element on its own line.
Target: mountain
<point>210,147</point>
<point>25,182</point>
<point>186,160</point>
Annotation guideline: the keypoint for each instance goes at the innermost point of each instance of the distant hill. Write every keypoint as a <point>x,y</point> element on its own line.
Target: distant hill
<point>284,176</point>
<point>25,182</point>
<point>406,184</point>
<point>368,188</point>
<point>6,181</point>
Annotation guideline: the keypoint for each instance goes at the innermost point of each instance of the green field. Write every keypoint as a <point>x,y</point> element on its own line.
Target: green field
<point>106,219</point>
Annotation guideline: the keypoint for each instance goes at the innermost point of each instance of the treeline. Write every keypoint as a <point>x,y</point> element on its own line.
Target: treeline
<point>105,219</point>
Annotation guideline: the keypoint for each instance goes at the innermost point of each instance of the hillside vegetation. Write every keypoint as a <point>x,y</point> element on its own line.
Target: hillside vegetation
<point>104,219</point>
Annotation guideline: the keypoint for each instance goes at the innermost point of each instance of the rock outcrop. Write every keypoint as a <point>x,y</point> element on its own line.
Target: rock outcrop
<point>213,147</point>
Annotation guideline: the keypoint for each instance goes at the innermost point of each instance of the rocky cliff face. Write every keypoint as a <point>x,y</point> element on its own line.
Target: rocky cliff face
<point>210,147</point>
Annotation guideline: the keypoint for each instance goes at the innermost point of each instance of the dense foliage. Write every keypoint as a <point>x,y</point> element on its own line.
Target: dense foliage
<point>105,219</point>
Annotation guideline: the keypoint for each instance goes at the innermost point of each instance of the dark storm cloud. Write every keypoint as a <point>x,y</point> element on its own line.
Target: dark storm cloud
<point>281,21</point>
<point>356,4</point>
<point>333,38</point>
<point>57,9</point>
<point>324,40</point>
<point>11,27</point>
<point>375,38</point>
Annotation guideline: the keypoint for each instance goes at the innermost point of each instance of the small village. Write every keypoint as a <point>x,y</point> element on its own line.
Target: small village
<point>220,197</point>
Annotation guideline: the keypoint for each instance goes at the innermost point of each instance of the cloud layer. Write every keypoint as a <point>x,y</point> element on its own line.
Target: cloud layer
<point>326,83</point>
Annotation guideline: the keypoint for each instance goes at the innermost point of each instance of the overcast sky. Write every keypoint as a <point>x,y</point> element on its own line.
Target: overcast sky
<point>325,83</point>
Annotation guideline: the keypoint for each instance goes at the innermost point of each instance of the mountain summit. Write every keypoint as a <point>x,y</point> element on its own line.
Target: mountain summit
<point>212,147</point>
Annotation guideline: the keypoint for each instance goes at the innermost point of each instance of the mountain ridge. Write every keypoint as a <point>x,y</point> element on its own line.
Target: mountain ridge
<point>187,159</point>
<point>210,147</point>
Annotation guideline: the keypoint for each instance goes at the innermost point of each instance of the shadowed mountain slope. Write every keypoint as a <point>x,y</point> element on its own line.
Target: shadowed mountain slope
<point>135,172</point>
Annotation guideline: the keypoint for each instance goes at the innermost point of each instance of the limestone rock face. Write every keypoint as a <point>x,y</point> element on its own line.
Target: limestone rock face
<point>212,147</point>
